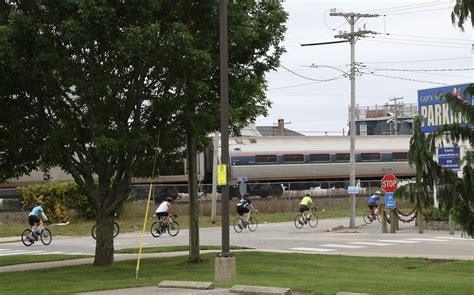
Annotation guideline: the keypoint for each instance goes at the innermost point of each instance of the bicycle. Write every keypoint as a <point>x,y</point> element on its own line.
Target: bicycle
<point>116,229</point>
<point>376,216</point>
<point>30,236</point>
<point>240,224</point>
<point>309,217</point>
<point>158,227</point>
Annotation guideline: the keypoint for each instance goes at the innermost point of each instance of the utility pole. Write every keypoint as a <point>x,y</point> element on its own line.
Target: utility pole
<point>352,37</point>
<point>395,115</point>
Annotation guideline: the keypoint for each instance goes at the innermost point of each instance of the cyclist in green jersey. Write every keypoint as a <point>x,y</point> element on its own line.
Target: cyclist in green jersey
<point>306,203</point>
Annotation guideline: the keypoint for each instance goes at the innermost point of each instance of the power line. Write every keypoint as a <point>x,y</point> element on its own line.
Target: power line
<point>408,7</point>
<point>304,84</point>
<point>416,44</point>
<point>311,79</point>
<point>419,11</point>
<point>428,37</point>
<point>402,78</point>
<point>465,42</point>
<point>419,70</point>
<point>416,61</point>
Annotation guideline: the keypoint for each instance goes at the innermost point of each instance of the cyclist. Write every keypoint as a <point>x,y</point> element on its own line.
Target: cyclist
<point>243,208</point>
<point>373,202</point>
<point>305,204</point>
<point>165,209</point>
<point>36,217</point>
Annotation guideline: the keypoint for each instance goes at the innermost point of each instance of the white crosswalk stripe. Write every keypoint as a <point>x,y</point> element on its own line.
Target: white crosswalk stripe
<point>427,240</point>
<point>454,238</point>
<point>399,241</point>
<point>19,252</point>
<point>370,243</point>
<point>313,249</point>
<point>342,246</point>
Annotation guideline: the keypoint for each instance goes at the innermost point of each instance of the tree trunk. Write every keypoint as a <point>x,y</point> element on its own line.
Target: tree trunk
<point>193,199</point>
<point>104,249</point>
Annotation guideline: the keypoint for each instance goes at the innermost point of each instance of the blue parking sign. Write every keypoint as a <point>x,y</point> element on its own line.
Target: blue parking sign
<point>389,201</point>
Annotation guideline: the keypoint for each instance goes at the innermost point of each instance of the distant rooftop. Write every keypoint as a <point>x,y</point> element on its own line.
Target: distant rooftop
<point>252,130</point>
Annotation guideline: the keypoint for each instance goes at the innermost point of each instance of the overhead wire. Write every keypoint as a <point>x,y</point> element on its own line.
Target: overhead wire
<point>407,7</point>
<point>312,79</point>
<point>416,61</point>
<point>402,78</point>
<point>414,43</point>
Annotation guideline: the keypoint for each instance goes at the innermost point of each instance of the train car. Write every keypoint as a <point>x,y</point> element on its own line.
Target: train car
<point>269,163</point>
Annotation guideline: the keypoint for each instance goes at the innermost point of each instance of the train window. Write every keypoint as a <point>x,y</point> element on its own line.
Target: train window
<point>370,156</point>
<point>265,159</point>
<point>399,156</point>
<point>320,158</point>
<point>343,157</point>
<point>293,158</point>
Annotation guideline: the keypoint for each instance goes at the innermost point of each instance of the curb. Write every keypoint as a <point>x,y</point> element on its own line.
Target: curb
<point>335,228</point>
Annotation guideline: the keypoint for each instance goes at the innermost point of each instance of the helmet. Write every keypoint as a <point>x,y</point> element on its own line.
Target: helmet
<point>169,199</point>
<point>308,194</point>
<point>245,196</point>
<point>39,203</point>
<point>378,193</point>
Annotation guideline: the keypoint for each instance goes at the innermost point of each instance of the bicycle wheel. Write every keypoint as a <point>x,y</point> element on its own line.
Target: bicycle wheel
<point>367,218</point>
<point>94,231</point>
<point>46,236</point>
<point>253,224</point>
<point>155,229</point>
<point>299,221</point>
<point>313,220</point>
<point>237,227</point>
<point>173,228</point>
<point>116,229</point>
<point>25,237</point>
<point>379,217</point>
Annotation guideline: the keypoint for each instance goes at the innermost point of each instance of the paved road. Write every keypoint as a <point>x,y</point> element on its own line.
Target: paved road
<point>366,240</point>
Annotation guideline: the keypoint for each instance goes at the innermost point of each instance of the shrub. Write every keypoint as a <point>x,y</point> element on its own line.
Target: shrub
<point>58,199</point>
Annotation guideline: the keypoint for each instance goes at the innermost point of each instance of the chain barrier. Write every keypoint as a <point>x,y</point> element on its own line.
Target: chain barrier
<point>405,218</point>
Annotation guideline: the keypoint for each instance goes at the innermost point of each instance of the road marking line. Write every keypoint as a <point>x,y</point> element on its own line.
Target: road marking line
<point>427,240</point>
<point>453,238</point>
<point>399,241</point>
<point>342,246</point>
<point>5,249</point>
<point>370,243</point>
<point>16,252</point>
<point>77,253</point>
<point>313,249</point>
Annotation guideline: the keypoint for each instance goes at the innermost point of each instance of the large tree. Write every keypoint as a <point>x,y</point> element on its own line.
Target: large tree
<point>255,32</point>
<point>86,93</point>
<point>462,11</point>
<point>96,84</point>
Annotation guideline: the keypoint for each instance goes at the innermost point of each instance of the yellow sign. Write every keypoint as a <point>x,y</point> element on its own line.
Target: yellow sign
<point>221,174</point>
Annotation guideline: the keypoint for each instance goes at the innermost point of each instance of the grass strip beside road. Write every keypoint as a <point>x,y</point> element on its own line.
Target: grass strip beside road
<point>317,274</point>
<point>22,259</point>
<point>172,249</point>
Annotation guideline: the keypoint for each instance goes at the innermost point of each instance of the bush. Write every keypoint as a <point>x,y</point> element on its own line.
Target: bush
<point>58,200</point>
<point>436,214</point>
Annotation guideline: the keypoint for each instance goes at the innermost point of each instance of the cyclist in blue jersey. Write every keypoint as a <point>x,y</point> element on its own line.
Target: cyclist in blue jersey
<point>243,208</point>
<point>373,202</point>
<point>36,217</point>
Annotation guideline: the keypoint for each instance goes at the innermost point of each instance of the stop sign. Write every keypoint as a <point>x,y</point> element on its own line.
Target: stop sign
<point>389,183</point>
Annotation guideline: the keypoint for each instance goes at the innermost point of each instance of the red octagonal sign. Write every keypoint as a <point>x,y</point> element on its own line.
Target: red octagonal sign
<point>389,183</point>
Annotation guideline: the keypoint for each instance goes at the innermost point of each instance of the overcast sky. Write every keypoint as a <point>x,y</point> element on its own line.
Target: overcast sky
<point>420,31</point>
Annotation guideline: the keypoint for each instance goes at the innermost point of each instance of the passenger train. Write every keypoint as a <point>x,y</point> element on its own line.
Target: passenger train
<point>271,163</point>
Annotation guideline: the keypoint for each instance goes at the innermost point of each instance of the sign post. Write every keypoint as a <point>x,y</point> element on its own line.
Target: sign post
<point>389,185</point>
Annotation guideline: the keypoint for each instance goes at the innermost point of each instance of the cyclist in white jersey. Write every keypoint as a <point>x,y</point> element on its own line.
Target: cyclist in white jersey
<point>165,209</point>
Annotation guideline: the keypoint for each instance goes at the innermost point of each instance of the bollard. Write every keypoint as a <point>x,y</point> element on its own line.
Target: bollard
<point>397,222</point>
<point>393,226</point>
<point>451,224</point>
<point>420,221</point>
<point>384,222</point>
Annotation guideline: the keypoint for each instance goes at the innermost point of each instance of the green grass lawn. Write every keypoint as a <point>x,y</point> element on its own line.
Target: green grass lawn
<point>21,259</point>
<point>83,227</point>
<point>318,274</point>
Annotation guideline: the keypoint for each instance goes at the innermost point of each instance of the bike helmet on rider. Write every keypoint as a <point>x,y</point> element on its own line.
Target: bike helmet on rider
<point>308,194</point>
<point>378,193</point>
<point>169,199</point>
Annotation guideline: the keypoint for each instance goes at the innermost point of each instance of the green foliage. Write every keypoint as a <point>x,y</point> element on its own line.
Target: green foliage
<point>58,199</point>
<point>462,10</point>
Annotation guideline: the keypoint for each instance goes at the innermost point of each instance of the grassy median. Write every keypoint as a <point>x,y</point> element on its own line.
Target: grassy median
<point>316,274</point>
<point>22,259</point>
